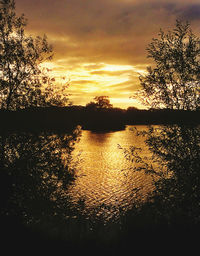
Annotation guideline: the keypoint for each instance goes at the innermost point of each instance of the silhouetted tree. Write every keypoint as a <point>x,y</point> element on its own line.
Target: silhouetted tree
<point>100,102</point>
<point>22,80</point>
<point>174,155</point>
<point>174,81</point>
<point>174,163</point>
<point>36,170</point>
<point>91,106</point>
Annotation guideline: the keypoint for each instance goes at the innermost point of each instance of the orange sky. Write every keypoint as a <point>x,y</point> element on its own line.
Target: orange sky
<point>99,45</point>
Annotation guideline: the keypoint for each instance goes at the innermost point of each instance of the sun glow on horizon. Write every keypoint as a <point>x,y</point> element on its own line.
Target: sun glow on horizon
<point>88,80</point>
<point>109,67</point>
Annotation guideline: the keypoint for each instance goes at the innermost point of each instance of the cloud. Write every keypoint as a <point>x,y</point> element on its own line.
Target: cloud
<point>80,82</point>
<point>104,31</point>
<point>191,13</point>
<point>111,73</point>
<point>116,31</point>
<point>93,66</point>
<point>87,34</point>
<point>127,86</point>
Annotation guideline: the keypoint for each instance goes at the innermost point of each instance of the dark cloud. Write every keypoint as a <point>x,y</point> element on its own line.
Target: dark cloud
<point>106,29</point>
<point>190,13</point>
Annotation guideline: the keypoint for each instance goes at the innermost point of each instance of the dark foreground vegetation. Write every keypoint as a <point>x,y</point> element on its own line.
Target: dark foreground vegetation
<point>65,118</point>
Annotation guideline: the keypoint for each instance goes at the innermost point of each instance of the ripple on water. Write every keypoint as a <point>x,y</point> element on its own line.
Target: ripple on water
<point>105,182</point>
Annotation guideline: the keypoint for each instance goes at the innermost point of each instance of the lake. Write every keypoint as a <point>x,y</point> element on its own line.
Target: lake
<point>77,191</point>
<point>106,182</point>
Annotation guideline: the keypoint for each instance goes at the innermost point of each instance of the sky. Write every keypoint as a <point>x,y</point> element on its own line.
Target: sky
<point>100,45</point>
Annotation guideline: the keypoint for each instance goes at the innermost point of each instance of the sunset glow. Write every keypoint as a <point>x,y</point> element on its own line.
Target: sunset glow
<point>100,46</point>
<point>92,79</point>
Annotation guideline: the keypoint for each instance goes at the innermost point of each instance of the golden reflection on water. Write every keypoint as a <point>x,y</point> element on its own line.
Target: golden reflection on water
<point>105,182</point>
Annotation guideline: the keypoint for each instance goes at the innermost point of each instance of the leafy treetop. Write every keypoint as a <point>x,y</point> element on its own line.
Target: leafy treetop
<point>174,81</point>
<point>100,102</point>
<point>23,82</point>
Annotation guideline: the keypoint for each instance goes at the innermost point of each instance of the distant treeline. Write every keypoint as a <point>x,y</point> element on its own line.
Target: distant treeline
<point>66,118</point>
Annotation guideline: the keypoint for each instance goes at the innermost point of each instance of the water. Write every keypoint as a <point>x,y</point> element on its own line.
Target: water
<point>38,188</point>
<point>106,182</point>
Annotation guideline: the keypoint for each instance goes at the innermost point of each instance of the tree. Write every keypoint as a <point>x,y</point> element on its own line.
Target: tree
<point>174,150</point>
<point>100,102</point>
<point>21,75</point>
<point>174,81</point>
<point>35,172</point>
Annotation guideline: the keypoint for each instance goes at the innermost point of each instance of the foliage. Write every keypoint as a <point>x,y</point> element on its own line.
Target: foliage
<point>178,196</point>
<point>174,165</point>
<point>173,82</point>
<point>174,157</point>
<point>21,75</point>
<point>100,102</point>
<point>36,170</point>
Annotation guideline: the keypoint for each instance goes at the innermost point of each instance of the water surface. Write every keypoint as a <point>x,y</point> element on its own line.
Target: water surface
<point>106,182</point>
